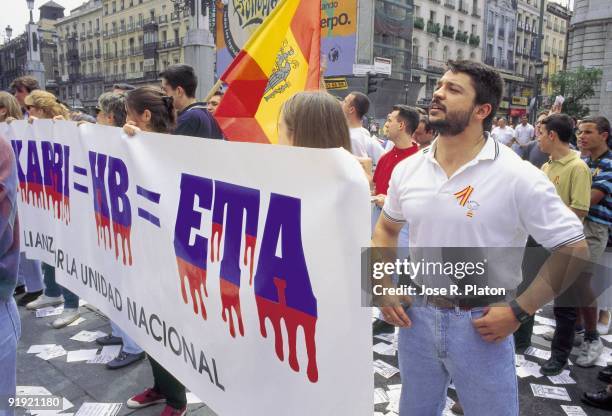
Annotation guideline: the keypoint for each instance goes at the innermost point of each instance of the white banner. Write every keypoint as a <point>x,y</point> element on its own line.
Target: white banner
<point>235,265</point>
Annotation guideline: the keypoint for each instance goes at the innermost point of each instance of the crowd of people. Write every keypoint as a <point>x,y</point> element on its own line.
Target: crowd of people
<point>551,181</point>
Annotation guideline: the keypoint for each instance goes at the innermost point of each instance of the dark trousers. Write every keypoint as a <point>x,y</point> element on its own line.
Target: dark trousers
<point>168,385</point>
<point>535,256</point>
<point>563,340</point>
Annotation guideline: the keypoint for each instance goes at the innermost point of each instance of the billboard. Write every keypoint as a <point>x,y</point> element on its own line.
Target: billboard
<point>235,20</point>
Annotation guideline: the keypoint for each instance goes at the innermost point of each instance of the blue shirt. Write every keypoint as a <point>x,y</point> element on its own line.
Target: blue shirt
<point>601,169</point>
<point>9,222</point>
<point>195,120</point>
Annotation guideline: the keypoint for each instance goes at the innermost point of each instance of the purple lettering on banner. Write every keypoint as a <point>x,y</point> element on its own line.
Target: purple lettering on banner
<point>97,163</point>
<point>282,284</point>
<point>66,187</point>
<point>237,199</point>
<point>17,147</point>
<point>121,210</point>
<point>53,166</point>
<point>191,259</point>
<point>34,177</point>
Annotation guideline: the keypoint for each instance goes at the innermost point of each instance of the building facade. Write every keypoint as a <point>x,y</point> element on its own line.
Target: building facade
<point>444,30</point>
<point>590,46</point>
<point>80,80</point>
<point>554,46</point>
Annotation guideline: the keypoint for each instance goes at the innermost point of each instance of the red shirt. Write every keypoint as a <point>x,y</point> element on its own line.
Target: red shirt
<point>386,164</point>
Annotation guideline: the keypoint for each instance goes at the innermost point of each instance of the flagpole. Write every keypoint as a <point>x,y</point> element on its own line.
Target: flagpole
<point>213,90</point>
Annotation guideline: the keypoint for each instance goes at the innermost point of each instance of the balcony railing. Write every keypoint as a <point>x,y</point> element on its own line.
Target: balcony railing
<point>462,37</point>
<point>90,55</point>
<point>170,44</point>
<point>448,31</point>
<point>419,23</point>
<point>476,11</point>
<point>449,3</point>
<point>436,65</point>
<point>474,40</point>
<point>163,19</point>
<point>418,62</point>
<point>433,28</point>
<point>463,6</point>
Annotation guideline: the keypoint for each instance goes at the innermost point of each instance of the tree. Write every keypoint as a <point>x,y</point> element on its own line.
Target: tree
<point>576,86</point>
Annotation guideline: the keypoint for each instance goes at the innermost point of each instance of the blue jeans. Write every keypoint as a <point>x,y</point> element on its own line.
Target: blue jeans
<point>30,274</point>
<point>71,301</point>
<point>129,345</point>
<point>10,332</point>
<point>441,345</point>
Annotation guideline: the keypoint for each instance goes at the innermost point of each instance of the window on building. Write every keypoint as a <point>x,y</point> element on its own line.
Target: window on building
<point>431,51</point>
<point>447,20</point>
<point>474,30</point>
<point>164,36</point>
<point>122,4</point>
<point>445,54</point>
<point>114,7</point>
<point>472,56</point>
<point>97,23</point>
<point>141,66</point>
<point>459,54</point>
<point>133,67</point>
<point>432,15</point>
<point>106,10</point>
<point>524,72</point>
<point>417,11</point>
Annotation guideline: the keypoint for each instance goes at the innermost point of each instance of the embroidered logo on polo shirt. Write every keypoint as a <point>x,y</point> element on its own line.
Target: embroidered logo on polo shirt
<point>557,180</point>
<point>463,197</point>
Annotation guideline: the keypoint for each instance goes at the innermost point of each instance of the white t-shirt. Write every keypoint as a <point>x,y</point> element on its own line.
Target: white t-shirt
<point>495,200</point>
<point>504,135</point>
<point>524,134</point>
<point>364,145</point>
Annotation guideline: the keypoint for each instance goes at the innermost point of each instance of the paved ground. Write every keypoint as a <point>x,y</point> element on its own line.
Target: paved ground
<point>80,382</point>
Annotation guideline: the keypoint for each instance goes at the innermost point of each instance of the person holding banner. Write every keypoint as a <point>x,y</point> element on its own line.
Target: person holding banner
<point>453,194</point>
<point>148,109</point>
<point>10,326</point>
<point>44,105</point>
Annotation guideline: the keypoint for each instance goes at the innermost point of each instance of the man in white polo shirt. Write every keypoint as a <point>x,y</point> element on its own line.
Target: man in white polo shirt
<point>503,133</point>
<point>466,190</point>
<point>524,134</point>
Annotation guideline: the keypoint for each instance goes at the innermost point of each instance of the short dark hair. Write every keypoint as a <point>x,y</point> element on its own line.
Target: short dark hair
<point>181,75</point>
<point>218,94</point>
<point>486,81</point>
<point>560,124</point>
<point>28,82</point>
<point>408,115</point>
<point>361,102</point>
<point>602,123</point>
<point>123,86</point>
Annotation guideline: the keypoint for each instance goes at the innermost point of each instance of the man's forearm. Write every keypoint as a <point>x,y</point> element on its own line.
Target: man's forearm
<point>558,273</point>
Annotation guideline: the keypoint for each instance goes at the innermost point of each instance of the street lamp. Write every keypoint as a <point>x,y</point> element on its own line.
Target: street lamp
<point>9,32</point>
<point>31,8</point>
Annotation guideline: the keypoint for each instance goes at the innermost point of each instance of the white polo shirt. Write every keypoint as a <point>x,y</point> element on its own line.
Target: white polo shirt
<point>504,135</point>
<point>495,200</point>
<point>524,134</point>
<point>364,145</point>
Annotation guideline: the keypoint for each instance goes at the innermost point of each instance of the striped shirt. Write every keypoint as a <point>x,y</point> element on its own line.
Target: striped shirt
<point>601,170</point>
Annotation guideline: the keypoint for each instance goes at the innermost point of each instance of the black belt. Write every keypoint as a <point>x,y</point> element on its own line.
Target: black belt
<point>462,303</point>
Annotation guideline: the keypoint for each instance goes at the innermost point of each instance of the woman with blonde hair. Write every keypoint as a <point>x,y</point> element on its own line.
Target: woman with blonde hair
<point>43,104</point>
<point>9,107</point>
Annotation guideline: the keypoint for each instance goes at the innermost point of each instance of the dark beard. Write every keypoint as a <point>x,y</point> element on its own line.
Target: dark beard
<point>454,123</point>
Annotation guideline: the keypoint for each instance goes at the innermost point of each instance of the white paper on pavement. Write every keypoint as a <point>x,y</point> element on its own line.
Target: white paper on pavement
<point>384,369</point>
<point>32,391</point>
<point>77,322</point>
<point>98,409</point>
<point>49,311</point>
<point>537,352</point>
<point>542,329</point>
<point>545,321</point>
<point>37,349</point>
<point>88,336</point>
<point>193,399</point>
<point>573,410</point>
<point>519,360</point>
<point>605,338</point>
<point>108,354</point>
<point>380,396</point>
<point>54,352</point>
<point>81,355</point>
<point>550,392</point>
<point>112,350</point>
<point>563,378</point>
<point>384,349</point>
<point>528,368</point>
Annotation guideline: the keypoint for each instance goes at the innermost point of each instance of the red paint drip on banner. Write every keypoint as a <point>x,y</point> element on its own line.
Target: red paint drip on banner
<point>37,196</point>
<point>122,233</point>
<point>196,278</point>
<point>250,245</point>
<point>230,299</point>
<point>217,232</point>
<point>293,318</point>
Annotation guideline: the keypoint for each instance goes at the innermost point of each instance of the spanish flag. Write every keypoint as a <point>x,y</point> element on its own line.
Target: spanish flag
<point>281,58</point>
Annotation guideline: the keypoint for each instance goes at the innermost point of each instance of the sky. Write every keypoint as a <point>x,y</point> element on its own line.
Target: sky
<point>16,13</point>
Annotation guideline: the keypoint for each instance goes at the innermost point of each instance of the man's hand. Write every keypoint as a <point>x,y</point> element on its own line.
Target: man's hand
<point>496,324</point>
<point>379,200</point>
<point>396,315</point>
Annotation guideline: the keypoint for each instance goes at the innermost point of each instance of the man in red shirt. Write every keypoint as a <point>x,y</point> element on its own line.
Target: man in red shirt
<point>401,124</point>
